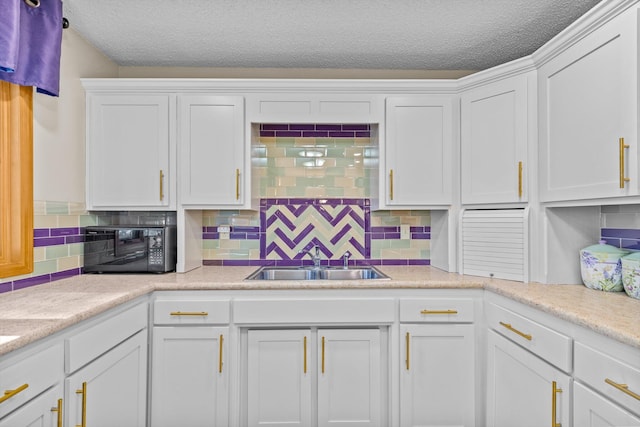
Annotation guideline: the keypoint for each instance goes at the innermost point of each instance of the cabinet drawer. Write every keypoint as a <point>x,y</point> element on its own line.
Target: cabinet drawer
<point>190,312</point>
<point>437,310</point>
<point>550,345</point>
<point>304,311</point>
<point>610,376</point>
<point>38,372</point>
<point>104,335</point>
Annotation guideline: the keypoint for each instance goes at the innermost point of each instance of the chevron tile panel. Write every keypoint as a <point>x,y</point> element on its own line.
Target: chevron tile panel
<point>334,225</point>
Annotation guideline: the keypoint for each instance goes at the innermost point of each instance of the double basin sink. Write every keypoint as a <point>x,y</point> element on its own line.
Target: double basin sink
<point>317,273</point>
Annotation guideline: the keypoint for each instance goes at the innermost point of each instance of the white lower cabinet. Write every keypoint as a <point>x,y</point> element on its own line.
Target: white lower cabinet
<point>437,376</point>
<point>522,389</point>
<point>189,380</point>
<point>45,410</point>
<point>112,389</point>
<point>279,377</point>
<point>288,382</point>
<point>593,410</point>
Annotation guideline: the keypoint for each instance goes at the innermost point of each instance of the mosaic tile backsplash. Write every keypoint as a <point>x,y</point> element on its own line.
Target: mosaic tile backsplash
<point>315,160</point>
<point>284,226</point>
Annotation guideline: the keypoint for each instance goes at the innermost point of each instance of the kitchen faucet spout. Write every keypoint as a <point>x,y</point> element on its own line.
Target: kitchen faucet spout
<point>314,253</point>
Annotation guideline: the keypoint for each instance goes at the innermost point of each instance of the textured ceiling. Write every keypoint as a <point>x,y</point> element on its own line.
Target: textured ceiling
<point>374,34</point>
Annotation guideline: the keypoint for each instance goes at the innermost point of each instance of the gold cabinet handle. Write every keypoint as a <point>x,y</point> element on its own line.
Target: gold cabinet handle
<point>519,179</point>
<point>438,311</point>
<point>220,355</point>
<point>305,355</point>
<point>8,394</point>
<point>323,355</point>
<point>237,184</point>
<point>189,313</point>
<point>161,185</point>
<point>391,184</point>
<point>83,392</point>
<point>554,393</point>
<point>623,388</point>
<point>58,409</point>
<point>512,329</point>
<point>623,146</point>
<point>407,341</point>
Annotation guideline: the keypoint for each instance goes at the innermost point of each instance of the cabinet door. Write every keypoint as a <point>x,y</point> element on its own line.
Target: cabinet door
<point>112,389</point>
<point>211,140</point>
<point>43,411</point>
<point>128,152</point>
<point>588,100</point>
<point>419,143</point>
<point>592,410</point>
<point>437,386</point>
<point>494,138</point>
<point>279,378</point>
<point>349,378</point>
<point>520,387</point>
<point>189,379</point>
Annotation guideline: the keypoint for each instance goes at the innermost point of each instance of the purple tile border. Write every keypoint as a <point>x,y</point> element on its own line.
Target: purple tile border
<point>624,238</point>
<point>38,280</point>
<point>297,263</point>
<point>310,130</point>
<point>57,236</point>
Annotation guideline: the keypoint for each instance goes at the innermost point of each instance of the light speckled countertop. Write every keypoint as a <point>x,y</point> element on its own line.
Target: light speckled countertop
<point>33,313</point>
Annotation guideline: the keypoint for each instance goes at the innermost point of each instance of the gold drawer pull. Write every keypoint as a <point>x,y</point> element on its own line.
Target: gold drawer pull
<point>439,312</point>
<point>623,388</point>
<point>237,184</point>
<point>305,354</point>
<point>554,392</point>
<point>391,184</point>
<point>8,394</point>
<point>512,329</point>
<point>323,355</point>
<point>189,313</point>
<point>408,342</point>
<point>519,179</point>
<point>623,179</point>
<point>220,355</point>
<point>161,185</point>
<point>58,409</point>
<point>83,392</point>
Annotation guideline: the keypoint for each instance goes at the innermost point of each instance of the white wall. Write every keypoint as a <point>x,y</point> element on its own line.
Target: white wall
<point>58,125</point>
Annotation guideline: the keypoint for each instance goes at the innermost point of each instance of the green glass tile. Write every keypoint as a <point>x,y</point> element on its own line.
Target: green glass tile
<point>210,244</point>
<point>45,267</point>
<point>336,171</point>
<point>87,220</point>
<point>76,249</point>
<point>399,244</point>
<point>285,142</point>
<point>250,244</point>
<point>335,192</point>
<point>57,251</point>
<point>57,208</point>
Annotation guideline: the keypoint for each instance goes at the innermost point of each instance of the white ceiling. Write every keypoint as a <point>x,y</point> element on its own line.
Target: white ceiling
<point>373,34</point>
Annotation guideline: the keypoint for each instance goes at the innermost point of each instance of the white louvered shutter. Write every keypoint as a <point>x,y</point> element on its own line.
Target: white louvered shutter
<point>495,243</point>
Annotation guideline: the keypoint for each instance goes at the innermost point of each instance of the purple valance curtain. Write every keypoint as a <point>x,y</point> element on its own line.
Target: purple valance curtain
<point>30,42</point>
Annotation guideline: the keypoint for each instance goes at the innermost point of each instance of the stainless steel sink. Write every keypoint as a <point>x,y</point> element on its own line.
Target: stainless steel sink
<point>312,273</point>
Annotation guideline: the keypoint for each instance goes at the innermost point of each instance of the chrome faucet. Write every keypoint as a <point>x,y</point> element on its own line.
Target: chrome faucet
<point>315,255</point>
<point>345,260</point>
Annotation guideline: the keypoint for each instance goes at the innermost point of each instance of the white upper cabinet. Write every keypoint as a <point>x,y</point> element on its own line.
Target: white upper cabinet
<point>211,150</point>
<point>588,102</point>
<point>129,152</point>
<point>494,141</point>
<point>419,146</point>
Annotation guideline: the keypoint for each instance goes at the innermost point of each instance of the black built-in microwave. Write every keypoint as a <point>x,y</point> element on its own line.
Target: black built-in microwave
<point>130,249</point>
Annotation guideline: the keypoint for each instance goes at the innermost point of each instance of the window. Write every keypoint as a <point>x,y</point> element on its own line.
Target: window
<point>16,179</point>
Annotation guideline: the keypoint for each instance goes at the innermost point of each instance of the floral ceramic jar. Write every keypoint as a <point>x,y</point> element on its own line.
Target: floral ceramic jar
<point>631,274</point>
<point>601,267</point>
